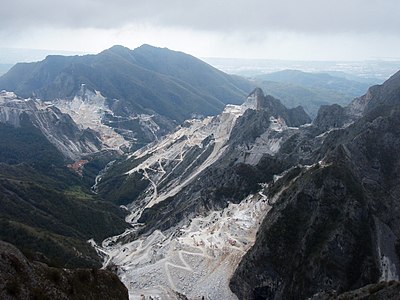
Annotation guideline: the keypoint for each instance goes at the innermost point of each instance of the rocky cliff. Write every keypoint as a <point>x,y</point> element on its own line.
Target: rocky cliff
<point>334,224</point>
<point>57,127</point>
<point>24,279</point>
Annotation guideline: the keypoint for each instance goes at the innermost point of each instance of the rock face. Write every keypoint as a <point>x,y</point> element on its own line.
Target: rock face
<point>331,187</point>
<point>207,163</point>
<point>195,197</point>
<point>23,279</point>
<point>47,209</point>
<point>334,225</point>
<point>58,128</point>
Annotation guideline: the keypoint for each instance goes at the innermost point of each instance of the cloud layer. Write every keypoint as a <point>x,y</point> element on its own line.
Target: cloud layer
<point>313,16</point>
<point>287,29</point>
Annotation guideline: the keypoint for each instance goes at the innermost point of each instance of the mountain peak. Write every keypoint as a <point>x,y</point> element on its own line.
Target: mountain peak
<point>255,98</point>
<point>119,50</point>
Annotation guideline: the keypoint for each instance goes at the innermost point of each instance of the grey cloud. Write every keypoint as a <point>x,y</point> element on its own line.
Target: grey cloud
<point>308,16</point>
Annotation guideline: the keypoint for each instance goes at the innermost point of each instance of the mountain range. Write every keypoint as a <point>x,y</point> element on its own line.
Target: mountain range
<point>318,200</point>
<point>103,164</point>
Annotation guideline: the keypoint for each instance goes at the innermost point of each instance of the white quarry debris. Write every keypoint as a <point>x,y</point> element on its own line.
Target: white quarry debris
<point>199,258</point>
<point>267,143</point>
<point>196,260</point>
<point>389,262</point>
<point>88,110</point>
<point>45,117</point>
<point>278,124</point>
<point>172,149</point>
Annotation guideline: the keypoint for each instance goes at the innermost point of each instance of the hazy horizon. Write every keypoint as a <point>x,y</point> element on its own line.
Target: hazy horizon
<point>288,30</point>
<point>375,68</point>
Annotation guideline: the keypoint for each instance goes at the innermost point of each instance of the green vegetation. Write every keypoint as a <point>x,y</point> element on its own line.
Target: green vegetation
<point>46,209</point>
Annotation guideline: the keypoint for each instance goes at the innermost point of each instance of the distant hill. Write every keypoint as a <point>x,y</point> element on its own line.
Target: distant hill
<point>311,90</point>
<point>4,68</point>
<point>145,80</point>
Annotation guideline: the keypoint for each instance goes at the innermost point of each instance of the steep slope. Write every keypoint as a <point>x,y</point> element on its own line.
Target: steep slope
<point>200,147</point>
<point>58,128</point>
<point>46,207</point>
<point>24,279</point>
<point>326,192</point>
<point>195,199</point>
<point>334,226</point>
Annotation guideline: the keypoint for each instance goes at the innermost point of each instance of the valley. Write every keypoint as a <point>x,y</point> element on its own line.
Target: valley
<point>187,182</point>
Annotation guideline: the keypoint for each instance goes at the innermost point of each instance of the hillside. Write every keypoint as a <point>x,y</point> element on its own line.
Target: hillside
<point>257,203</point>
<point>48,210</point>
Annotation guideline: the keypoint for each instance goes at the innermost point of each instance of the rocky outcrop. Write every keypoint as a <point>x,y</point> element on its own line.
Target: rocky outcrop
<point>58,128</point>
<point>334,224</point>
<point>330,117</point>
<point>24,279</point>
<point>378,96</point>
<point>209,163</point>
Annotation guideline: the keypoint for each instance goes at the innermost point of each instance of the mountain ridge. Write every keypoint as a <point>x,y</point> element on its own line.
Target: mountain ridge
<point>55,69</point>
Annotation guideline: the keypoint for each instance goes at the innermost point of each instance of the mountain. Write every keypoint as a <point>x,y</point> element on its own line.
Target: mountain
<point>259,203</point>
<point>47,209</point>
<point>254,202</point>
<point>138,86</point>
<point>58,128</point>
<point>311,90</point>
<point>188,195</point>
<point>334,227</point>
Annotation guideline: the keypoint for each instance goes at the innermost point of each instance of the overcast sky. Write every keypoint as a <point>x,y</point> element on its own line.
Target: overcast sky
<point>279,29</point>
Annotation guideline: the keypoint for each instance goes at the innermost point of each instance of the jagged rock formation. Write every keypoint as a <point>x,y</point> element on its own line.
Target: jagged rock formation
<point>57,127</point>
<point>334,225</point>
<point>202,166</point>
<point>192,183</point>
<point>332,189</point>
<point>24,279</point>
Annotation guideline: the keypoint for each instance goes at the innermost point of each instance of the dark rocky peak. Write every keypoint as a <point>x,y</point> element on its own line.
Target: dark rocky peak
<point>386,94</point>
<point>330,116</point>
<point>256,98</point>
<point>393,83</point>
<point>377,100</point>
<point>293,117</point>
<point>119,50</point>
